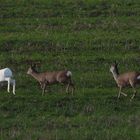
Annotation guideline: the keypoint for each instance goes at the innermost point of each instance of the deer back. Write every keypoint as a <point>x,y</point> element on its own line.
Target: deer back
<point>6,72</point>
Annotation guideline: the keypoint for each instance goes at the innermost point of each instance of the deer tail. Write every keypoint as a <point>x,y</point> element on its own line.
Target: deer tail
<point>138,77</point>
<point>69,73</point>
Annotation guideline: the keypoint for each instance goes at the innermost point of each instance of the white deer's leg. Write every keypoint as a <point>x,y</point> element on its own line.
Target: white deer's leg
<point>8,86</point>
<point>14,86</point>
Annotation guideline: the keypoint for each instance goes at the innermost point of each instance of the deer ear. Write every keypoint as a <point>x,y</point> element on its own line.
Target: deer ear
<point>116,63</point>
<point>33,65</point>
<point>29,63</point>
<point>38,63</point>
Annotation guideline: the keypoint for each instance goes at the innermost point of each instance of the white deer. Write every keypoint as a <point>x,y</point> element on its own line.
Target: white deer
<point>6,75</point>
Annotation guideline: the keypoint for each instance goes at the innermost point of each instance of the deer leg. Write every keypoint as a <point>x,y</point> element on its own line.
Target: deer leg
<point>14,85</point>
<point>8,86</point>
<point>67,88</point>
<point>43,88</point>
<point>41,85</point>
<point>133,94</point>
<point>123,94</point>
<point>120,92</point>
<point>73,88</point>
<point>133,86</point>
<point>70,84</point>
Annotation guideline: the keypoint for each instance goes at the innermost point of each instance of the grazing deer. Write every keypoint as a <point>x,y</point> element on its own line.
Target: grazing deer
<point>123,80</point>
<point>49,78</point>
<point>6,75</point>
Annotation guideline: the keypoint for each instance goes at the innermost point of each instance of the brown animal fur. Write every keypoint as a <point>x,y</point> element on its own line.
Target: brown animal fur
<point>126,79</point>
<point>49,78</point>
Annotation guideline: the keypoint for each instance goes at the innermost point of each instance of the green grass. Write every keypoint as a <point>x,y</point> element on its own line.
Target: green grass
<point>84,36</point>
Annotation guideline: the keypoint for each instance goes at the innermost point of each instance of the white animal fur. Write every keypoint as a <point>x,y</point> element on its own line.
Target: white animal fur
<point>69,73</point>
<point>6,75</point>
<point>138,77</point>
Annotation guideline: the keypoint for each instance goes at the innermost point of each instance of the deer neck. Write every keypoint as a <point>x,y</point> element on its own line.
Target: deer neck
<point>115,75</point>
<point>35,75</point>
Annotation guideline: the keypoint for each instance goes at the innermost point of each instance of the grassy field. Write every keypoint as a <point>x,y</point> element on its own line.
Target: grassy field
<point>84,36</point>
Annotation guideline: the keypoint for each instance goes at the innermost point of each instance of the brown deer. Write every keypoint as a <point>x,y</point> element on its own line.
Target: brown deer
<point>49,78</point>
<point>123,80</point>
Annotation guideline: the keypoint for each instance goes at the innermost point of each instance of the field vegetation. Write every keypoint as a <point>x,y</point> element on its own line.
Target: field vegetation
<point>86,37</point>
